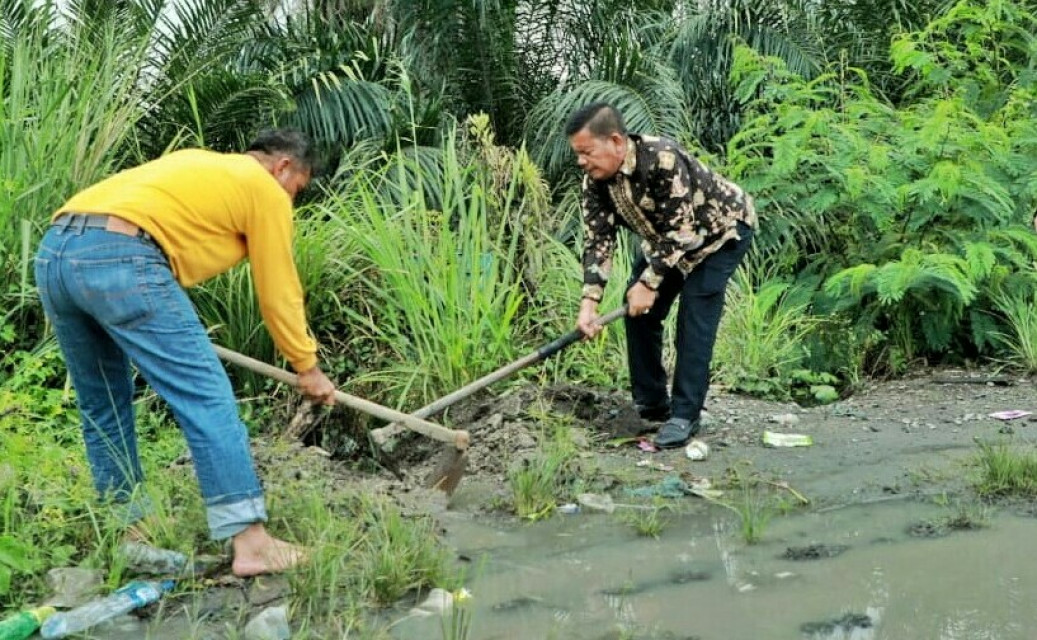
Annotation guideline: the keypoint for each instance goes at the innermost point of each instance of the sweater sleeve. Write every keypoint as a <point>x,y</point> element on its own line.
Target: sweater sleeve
<point>268,234</point>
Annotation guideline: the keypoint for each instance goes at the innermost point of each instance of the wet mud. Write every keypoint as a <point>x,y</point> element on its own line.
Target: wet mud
<point>878,460</point>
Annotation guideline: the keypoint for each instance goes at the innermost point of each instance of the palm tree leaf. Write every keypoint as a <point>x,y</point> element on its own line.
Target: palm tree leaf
<point>655,110</point>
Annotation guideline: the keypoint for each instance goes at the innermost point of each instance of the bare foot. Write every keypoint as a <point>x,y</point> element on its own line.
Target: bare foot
<point>257,552</point>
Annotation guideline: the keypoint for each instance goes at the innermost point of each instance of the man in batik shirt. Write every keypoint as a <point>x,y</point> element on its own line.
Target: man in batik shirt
<point>695,227</point>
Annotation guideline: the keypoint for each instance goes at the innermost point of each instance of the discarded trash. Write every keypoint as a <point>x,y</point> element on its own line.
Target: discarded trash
<point>569,508</point>
<point>785,418</point>
<point>270,624</point>
<point>646,445</point>
<point>1010,415</point>
<point>438,602</point>
<point>658,466</point>
<point>134,595</point>
<point>670,487</point>
<point>697,450</point>
<point>24,624</point>
<point>674,487</point>
<point>597,502</point>
<point>772,439</point>
<point>144,558</point>
<point>73,586</point>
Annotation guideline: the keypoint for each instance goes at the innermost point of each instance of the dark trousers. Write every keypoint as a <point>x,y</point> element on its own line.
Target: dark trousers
<point>701,304</point>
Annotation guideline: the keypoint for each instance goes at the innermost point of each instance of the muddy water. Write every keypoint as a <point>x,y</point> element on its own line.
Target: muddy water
<point>590,576</point>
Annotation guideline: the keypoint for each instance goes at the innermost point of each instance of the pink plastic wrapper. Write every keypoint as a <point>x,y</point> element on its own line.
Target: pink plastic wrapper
<point>1009,415</point>
<point>646,445</point>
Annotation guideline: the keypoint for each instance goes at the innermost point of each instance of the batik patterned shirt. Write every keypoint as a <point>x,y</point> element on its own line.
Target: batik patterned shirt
<point>683,212</point>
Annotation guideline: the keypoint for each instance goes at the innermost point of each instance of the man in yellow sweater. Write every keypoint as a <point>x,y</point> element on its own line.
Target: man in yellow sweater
<point>111,271</point>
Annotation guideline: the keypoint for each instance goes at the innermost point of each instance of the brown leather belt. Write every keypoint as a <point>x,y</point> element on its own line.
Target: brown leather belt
<point>101,221</point>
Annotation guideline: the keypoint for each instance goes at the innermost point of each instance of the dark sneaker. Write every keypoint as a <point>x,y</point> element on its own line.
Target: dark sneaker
<point>676,432</point>
<point>653,414</point>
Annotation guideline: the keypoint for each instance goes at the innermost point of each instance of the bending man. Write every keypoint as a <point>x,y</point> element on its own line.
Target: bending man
<point>695,228</point>
<point>110,271</point>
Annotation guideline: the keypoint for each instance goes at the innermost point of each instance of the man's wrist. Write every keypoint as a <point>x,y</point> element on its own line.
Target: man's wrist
<point>593,292</point>
<point>312,371</point>
<point>650,279</point>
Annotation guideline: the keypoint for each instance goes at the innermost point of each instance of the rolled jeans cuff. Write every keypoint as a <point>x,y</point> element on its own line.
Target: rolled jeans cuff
<point>228,520</point>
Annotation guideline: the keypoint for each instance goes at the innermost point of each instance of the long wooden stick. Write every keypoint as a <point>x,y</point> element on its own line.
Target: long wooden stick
<point>459,439</point>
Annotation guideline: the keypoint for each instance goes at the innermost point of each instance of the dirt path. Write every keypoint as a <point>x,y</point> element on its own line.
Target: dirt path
<point>912,435</point>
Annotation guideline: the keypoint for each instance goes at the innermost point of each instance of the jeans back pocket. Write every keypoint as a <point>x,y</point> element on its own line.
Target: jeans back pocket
<point>113,290</point>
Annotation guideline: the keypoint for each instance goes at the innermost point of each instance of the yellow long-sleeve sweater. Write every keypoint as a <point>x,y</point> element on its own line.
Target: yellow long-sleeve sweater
<point>208,211</point>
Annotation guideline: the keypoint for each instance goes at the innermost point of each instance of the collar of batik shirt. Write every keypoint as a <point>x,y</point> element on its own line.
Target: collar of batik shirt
<point>630,160</point>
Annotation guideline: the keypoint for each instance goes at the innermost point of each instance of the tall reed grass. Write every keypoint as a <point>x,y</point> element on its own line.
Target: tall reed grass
<point>1019,339</point>
<point>763,333</point>
<point>69,104</point>
<point>438,292</point>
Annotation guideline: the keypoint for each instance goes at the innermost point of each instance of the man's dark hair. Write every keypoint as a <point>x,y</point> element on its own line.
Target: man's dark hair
<point>600,118</point>
<point>289,142</point>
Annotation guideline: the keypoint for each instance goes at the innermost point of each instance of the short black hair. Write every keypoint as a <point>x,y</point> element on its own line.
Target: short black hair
<point>289,142</point>
<point>601,118</point>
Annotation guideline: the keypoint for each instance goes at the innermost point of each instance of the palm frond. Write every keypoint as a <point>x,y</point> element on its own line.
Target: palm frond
<point>655,109</point>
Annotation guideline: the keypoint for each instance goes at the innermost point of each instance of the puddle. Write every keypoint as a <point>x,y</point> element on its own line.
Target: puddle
<point>588,576</point>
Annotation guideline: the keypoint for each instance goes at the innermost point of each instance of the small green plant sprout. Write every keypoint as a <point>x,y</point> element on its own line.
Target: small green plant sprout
<point>457,624</point>
<point>650,520</point>
<point>757,502</point>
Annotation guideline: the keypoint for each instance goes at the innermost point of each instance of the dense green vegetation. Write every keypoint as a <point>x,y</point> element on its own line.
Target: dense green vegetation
<point>891,146</point>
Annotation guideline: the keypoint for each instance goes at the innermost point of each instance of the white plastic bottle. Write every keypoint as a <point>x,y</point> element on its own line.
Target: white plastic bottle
<point>132,596</point>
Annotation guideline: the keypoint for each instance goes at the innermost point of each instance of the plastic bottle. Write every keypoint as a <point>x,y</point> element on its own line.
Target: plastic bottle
<point>24,624</point>
<point>132,596</point>
<point>144,558</point>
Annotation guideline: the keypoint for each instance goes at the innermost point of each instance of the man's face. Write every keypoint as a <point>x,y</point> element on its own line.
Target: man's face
<point>292,177</point>
<point>599,158</point>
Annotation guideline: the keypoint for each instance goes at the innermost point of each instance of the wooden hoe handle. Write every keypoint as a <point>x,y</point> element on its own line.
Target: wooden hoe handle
<point>459,439</point>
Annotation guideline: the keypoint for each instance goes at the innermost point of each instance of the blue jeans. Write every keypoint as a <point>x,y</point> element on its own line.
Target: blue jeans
<point>112,299</point>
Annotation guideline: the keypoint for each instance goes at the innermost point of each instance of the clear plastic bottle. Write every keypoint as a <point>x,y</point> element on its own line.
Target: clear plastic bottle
<point>132,596</point>
<point>24,624</point>
<point>144,558</point>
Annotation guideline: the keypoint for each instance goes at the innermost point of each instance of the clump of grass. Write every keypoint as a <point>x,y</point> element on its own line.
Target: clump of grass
<point>969,516</point>
<point>756,502</point>
<point>963,516</point>
<point>539,481</point>
<point>1020,340</point>
<point>1006,471</point>
<point>365,553</point>
<point>763,334</point>
<point>650,521</point>
<point>400,555</point>
<point>755,513</point>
